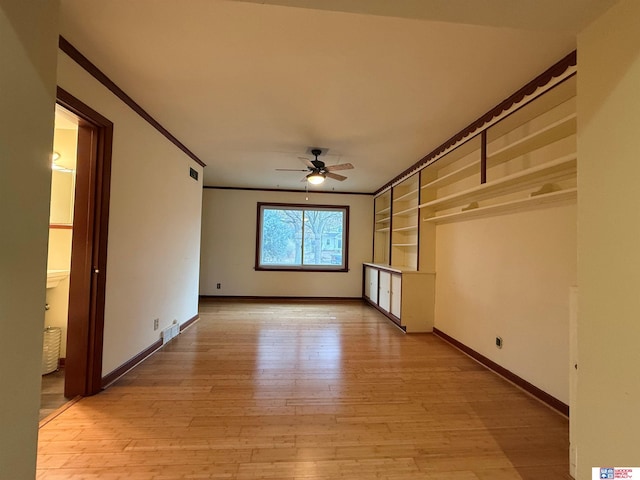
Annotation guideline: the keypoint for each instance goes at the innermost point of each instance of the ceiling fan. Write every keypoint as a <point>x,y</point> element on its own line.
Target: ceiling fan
<point>318,171</point>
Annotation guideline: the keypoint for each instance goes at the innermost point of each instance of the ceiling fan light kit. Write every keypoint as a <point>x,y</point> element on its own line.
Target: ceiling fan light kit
<point>315,178</point>
<point>318,170</point>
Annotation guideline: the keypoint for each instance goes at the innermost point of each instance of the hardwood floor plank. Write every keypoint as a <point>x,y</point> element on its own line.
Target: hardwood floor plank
<point>305,390</point>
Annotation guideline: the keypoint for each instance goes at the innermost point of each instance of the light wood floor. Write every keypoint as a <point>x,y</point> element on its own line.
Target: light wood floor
<point>302,390</point>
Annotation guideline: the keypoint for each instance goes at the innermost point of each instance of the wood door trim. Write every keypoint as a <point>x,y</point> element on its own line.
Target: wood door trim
<point>90,233</point>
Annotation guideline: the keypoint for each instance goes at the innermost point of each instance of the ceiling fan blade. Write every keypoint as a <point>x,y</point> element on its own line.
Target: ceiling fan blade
<point>335,176</point>
<point>290,170</point>
<point>342,166</point>
<point>307,162</point>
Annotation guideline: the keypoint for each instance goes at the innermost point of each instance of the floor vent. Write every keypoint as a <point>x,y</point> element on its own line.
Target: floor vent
<point>170,332</point>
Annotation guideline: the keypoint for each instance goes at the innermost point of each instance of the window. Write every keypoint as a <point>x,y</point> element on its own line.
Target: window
<point>302,237</point>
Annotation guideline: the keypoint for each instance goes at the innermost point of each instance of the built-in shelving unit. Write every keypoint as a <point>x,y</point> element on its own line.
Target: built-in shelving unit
<point>405,222</point>
<point>538,139</point>
<point>382,222</point>
<point>524,159</point>
<point>553,171</point>
<point>569,194</point>
<point>527,160</point>
<point>392,282</point>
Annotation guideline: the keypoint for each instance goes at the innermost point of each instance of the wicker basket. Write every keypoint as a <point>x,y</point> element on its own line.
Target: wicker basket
<point>51,349</point>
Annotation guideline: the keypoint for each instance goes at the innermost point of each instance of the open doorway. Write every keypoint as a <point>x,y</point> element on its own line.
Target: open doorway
<point>81,172</point>
<point>63,184</point>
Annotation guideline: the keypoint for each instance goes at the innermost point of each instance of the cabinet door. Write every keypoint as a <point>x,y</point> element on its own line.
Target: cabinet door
<point>371,284</point>
<point>384,298</point>
<point>367,282</point>
<point>396,294</point>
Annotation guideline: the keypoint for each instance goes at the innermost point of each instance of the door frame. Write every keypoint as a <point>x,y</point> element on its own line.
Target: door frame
<point>87,282</point>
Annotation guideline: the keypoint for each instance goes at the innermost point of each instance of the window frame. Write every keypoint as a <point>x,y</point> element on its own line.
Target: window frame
<point>344,267</point>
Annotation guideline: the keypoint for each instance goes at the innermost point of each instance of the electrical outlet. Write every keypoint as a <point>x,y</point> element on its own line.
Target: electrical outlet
<point>499,342</point>
<point>218,286</point>
<point>156,324</point>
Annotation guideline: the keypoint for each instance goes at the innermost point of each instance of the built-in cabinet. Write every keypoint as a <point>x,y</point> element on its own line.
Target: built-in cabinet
<point>396,258</point>
<point>371,278</point>
<point>524,159</point>
<point>404,296</point>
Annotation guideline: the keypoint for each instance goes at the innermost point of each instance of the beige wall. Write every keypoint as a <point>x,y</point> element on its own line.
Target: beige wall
<point>509,276</point>
<point>154,225</point>
<point>28,40</point>
<point>608,408</point>
<point>229,243</point>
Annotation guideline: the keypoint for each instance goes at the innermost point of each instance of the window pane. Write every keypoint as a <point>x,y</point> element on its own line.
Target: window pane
<point>281,237</point>
<point>323,237</point>
<point>298,237</point>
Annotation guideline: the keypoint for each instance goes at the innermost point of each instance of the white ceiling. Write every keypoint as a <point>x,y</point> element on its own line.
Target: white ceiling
<point>248,87</point>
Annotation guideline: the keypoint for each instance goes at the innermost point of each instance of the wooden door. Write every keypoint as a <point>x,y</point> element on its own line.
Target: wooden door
<point>83,364</point>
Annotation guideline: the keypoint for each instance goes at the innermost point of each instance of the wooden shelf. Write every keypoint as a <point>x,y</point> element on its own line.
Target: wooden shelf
<point>392,268</point>
<point>406,212</point>
<point>410,195</point>
<point>406,229</point>
<point>552,133</point>
<point>404,244</point>
<point>559,169</point>
<point>456,175</point>
<point>404,268</point>
<point>384,220</point>
<point>507,207</point>
<point>384,211</point>
<point>386,229</point>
